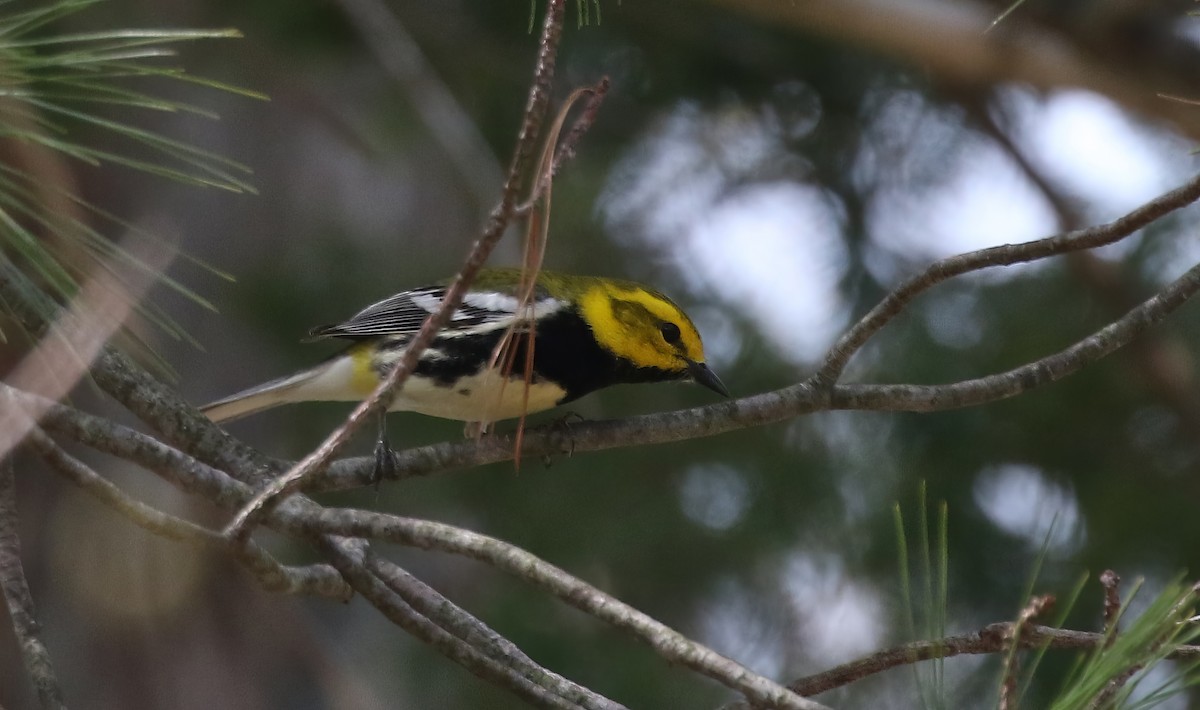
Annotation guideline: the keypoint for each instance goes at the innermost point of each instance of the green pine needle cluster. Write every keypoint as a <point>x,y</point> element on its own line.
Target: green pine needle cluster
<point>56,86</point>
<point>1113,676</point>
<point>1116,675</point>
<point>934,580</point>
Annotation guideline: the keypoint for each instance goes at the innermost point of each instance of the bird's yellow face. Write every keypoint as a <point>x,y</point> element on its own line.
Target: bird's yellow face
<point>643,327</point>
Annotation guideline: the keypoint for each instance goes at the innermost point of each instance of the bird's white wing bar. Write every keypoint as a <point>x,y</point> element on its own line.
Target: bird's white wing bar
<point>403,314</point>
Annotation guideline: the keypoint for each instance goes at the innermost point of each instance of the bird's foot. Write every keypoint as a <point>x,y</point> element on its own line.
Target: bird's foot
<point>385,462</point>
<point>562,427</point>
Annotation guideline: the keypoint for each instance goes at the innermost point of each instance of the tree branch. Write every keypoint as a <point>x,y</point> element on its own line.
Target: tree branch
<point>300,518</point>
<point>161,408</point>
<point>994,638</point>
<point>426,601</point>
<point>317,580</point>
<point>348,559</point>
<point>930,398</point>
<point>19,599</point>
<point>668,643</point>
<point>1006,255</point>
<point>293,518</point>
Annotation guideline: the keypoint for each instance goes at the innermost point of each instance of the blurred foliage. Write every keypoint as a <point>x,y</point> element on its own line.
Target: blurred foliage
<point>56,86</point>
<point>775,545</point>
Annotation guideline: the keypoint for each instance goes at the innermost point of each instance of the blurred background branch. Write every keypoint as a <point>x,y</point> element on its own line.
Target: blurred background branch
<point>21,611</point>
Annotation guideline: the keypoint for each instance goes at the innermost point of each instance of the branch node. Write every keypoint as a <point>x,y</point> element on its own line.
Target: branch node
<point>1111,582</point>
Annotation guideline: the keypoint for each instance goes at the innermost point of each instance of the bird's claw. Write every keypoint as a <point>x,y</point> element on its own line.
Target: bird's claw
<point>385,463</point>
<point>562,425</point>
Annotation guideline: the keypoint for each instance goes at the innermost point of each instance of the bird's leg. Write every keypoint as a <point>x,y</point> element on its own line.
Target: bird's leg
<point>385,458</point>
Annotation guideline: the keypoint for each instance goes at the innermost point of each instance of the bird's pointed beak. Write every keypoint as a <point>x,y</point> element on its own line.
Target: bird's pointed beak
<point>702,375</point>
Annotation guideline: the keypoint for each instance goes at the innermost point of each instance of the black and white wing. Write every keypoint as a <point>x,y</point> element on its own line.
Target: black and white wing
<point>404,313</point>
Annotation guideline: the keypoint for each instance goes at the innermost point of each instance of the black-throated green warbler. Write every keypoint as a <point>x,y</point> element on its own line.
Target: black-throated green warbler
<point>589,333</point>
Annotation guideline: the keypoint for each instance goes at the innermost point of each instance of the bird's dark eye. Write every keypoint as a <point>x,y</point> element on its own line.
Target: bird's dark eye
<point>670,332</point>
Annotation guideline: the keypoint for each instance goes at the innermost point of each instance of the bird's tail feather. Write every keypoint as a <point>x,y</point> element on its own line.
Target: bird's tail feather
<point>264,396</point>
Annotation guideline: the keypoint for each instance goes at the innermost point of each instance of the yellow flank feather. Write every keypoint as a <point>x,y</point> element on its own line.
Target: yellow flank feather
<point>365,379</point>
<point>626,321</point>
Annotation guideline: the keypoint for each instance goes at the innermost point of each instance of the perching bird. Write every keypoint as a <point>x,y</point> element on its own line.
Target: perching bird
<point>589,333</point>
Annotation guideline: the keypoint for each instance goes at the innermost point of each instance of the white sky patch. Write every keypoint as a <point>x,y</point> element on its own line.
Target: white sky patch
<point>1089,145</point>
<point>831,618</point>
<point>1165,675</point>
<point>1181,253</point>
<point>1085,144</point>
<point>983,201</point>
<point>841,618</point>
<point>1095,151</point>
<point>954,321</point>
<point>722,340</point>
<point>736,623</point>
<point>715,496</point>
<point>681,167</point>
<point>774,250</point>
<point>1022,501</point>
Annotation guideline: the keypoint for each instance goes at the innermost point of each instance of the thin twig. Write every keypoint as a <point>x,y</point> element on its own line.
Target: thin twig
<point>348,559</point>
<point>161,408</point>
<point>668,643</point>
<point>1111,582</point>
<point>1007,255</point>
<point>566,147</point>
<point>318,460</point>
<point>316,580</point>
<point>19,600</point>
<point>1104,699</point>
<point>1008,684</point>
<point>926,398</point>
<point>425,600</point>
<point>537,211</point>
<point>990,639</point>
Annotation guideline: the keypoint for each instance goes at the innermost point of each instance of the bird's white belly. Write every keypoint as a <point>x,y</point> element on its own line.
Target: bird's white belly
<point>485,397</point>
